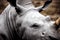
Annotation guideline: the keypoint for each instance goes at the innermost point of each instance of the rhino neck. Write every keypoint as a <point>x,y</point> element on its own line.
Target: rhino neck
<point>26,3</point>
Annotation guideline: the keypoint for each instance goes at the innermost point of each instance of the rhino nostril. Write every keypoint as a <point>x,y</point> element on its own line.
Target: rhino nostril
<point>43,34</point>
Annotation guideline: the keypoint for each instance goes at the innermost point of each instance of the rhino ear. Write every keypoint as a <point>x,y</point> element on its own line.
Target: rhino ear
<point>12,2</point>
<point>44,7</point>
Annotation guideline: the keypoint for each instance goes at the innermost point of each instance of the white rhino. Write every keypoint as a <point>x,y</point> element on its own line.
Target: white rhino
<point>19,22</point>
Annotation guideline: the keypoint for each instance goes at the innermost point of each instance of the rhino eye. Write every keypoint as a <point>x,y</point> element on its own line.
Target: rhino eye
<point>35,26</point>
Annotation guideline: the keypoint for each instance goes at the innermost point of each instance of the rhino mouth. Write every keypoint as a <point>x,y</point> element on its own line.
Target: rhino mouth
<point>52,38</point>
<point>41,38</point>
<point>49,38</point>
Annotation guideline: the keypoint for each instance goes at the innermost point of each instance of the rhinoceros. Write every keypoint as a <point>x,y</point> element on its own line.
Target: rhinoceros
<point>25,22</point>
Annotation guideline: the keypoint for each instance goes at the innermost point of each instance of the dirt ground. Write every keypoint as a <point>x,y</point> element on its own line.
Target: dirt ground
<point>53,10</point>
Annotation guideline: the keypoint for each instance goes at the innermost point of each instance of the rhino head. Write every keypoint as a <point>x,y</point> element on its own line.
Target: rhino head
<point>31,25</point>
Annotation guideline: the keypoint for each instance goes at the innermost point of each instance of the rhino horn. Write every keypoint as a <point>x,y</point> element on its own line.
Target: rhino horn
<point>57,22</point>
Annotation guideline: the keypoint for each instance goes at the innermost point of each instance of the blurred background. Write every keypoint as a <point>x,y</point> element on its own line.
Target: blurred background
<point>53,9</point>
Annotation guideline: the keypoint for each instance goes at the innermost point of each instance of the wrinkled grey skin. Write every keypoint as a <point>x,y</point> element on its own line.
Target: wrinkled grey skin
<point>28,25</point>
